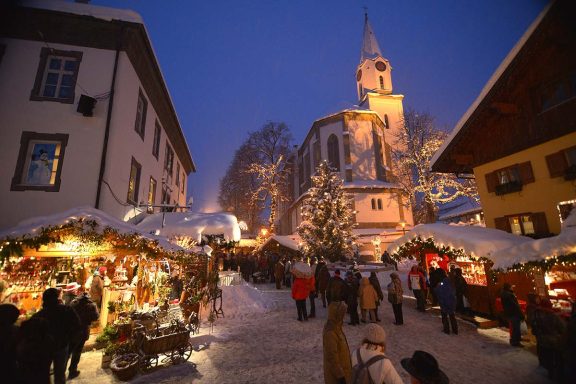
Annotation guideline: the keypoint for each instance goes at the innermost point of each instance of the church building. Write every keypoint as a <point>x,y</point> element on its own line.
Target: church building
<point>357,143</point>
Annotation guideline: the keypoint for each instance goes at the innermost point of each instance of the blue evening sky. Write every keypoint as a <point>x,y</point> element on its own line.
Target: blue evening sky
<point>232,65</point>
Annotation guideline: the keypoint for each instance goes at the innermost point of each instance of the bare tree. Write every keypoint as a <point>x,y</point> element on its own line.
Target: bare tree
<point>257,175</point>
<point>415,144</point>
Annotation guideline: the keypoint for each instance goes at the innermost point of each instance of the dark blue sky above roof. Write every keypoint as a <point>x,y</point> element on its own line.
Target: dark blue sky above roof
<point>233,65</point>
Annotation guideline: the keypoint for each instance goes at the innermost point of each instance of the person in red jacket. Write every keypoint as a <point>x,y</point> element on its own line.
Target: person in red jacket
<point>302,285</point>
<point>417,284</point>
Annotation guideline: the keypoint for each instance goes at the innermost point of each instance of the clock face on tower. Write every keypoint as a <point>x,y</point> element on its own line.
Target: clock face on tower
<point>358,75</point>
<point>380,66</point>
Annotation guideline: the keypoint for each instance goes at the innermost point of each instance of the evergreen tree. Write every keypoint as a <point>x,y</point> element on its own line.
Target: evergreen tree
<point>327,217</point>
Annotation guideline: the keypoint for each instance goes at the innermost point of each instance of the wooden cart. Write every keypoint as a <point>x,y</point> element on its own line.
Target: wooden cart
<point>165,344</point>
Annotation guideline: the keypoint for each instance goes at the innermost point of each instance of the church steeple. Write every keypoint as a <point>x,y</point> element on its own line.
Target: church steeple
<point>370,47</point>
<point>373,74</point>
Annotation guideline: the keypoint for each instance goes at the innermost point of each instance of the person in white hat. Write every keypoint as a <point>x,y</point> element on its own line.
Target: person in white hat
<point>70,292</point>
<point>372,354</point>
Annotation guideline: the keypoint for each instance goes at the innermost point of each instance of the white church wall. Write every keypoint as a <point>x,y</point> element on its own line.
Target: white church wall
<point>335,128</point>
<point>362,150</point>
<point>390,212</point>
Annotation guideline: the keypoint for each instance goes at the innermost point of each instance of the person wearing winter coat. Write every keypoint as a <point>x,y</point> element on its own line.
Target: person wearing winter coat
<point>395,296</point>
<point>417,284</point>
<point>368,298</point>
<point>551,334</point>
<point>337,290</point>
<point>302,285</point>
<point>8,339</point>
<point>336,353</point>
<point>313,293</point>
<point>376,284</point>
<point>288,273</point>
<point>447,300</point>
<point>352,302</point>
<point>374,344</point>
<point>87,313</point>
<point>322,277</point>
<point>279,274</point>
<point>63,325</point>
<point>512,312</point>
<point>460,286</point>
<point>34,351</point>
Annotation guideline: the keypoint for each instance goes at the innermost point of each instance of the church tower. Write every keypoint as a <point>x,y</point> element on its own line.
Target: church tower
<point>374,84</point>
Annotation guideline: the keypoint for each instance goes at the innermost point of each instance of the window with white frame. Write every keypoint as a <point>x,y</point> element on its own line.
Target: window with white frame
<point>168,163</point>
<point>56,76</point>
<point>151,194</point>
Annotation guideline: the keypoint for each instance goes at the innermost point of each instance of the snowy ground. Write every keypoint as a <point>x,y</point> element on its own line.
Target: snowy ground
<point>260,341</point>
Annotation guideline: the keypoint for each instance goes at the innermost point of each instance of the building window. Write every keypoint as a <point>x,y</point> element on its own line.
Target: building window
<point>177,176</point>
<point>151,195</point>
<point>182,183</point>
<point>386,124</point>
<point>141,107</point>
<point>334,152</point>
<point>509,179</point>
<point>381,82</point>
<point>39,164</point>
<point>373,202</point>
<point>360,90</point>
<point>156,143</point>
<point>168,163</point>
<point>558,91</point>
<point>562,163</point>
<point>56,75</point>
<point>134,182</point>
<point>379,204</point>
<point>526,224</point>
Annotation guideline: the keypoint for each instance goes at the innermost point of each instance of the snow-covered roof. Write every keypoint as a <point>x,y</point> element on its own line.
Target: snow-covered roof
<point>563,244</point>
<point>95,11</point>
<point>490,84</point>
<point>368,184</point>
<point>192,224</point>
<point>32,227</point>
<point>459,208</point>
<point>476,241</point>
<point>349,110</point>
<point>289,241</point>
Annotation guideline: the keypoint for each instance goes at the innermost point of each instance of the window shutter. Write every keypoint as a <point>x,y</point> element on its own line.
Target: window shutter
<point>540,223</point>
<point>556,164</point>
<point>526,174</point>
<point>491,181</point>
<point>502,224</point>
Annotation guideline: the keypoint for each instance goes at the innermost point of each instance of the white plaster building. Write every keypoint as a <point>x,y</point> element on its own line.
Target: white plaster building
<point>357,143</point>
<point>85,115</point>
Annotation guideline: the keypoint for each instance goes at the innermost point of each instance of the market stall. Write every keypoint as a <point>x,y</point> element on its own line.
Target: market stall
<point>469,248</point>
<point>138,270</point>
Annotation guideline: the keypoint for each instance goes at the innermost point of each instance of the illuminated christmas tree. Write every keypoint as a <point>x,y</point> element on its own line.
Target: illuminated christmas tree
<point>327,217</point>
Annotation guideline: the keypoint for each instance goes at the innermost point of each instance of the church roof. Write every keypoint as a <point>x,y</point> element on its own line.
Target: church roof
<point>370,48</point>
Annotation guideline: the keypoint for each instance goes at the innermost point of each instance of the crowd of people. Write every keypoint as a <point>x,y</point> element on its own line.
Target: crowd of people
<point>54,336</point>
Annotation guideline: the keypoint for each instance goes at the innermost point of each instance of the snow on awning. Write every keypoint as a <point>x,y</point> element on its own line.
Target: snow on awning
<point>192,224</point>
<point>474,240</point>
<point>537,250</point>
<point>290,241</point>
<point>32,227</point>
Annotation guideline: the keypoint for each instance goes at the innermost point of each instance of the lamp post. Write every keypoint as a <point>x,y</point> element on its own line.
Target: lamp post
<point>403,224</point>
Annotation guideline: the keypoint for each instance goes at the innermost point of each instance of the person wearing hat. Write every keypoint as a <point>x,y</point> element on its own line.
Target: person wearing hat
<point>336,353</point>
<point>423,369</point>
<point>513,313</point>
<point>62,325</point>
<point>337,290</point>
<point>97,286</point>
<point>70,292</point>
<point>373,347</point>
<point>395,296</point>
